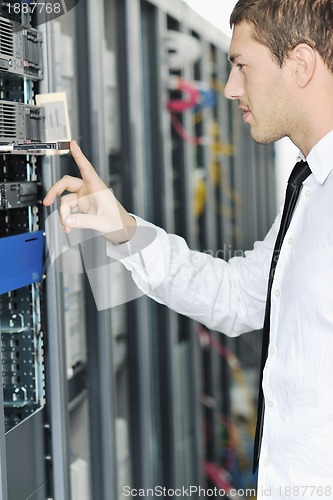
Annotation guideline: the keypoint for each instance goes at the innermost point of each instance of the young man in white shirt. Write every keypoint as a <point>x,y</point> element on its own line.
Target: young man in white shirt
<point>282,76</point>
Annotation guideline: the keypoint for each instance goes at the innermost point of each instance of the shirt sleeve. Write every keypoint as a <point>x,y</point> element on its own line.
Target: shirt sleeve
<point>225,296</point>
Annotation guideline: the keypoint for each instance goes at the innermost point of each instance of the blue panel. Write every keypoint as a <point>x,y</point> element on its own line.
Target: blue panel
<point>21,260</point>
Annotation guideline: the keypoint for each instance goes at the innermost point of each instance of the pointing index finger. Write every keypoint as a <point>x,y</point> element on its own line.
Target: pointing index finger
<point>87,171</point>
<point>90,181</point>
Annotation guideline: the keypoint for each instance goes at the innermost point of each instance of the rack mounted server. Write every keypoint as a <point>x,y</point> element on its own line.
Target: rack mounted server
<point>21,123</point>
<point>18,194</point>
<point>20,50</point>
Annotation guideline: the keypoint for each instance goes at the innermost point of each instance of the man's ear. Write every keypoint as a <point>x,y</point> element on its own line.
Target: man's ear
<point>304,61</point>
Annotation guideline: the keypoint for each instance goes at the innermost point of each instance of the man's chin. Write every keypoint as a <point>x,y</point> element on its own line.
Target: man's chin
<point>264,138</point>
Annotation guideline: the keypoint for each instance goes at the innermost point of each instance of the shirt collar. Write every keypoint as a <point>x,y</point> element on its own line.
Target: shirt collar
<point>320,158</point>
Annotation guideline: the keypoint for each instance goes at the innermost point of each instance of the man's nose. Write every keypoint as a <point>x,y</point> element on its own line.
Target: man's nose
<point>234,86</point>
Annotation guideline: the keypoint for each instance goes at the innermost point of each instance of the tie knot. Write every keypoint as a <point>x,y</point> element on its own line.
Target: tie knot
<point>299,173</point>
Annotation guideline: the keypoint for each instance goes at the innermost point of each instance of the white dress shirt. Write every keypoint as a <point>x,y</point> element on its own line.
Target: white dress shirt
<point>296,460</point>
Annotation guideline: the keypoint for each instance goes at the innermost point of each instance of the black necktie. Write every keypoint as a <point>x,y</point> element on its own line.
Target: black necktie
<point>300,172</point>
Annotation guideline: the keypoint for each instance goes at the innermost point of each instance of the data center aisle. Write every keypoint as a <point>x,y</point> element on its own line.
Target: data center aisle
<point>106,393</point>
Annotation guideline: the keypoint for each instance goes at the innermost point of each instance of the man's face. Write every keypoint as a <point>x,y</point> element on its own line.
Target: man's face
<point>260,86</point>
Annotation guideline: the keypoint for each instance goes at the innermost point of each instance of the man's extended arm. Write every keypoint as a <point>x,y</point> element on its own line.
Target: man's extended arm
<point>225,296</point>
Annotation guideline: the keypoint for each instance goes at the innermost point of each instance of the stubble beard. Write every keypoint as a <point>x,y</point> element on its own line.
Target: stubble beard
<point>266,135</point>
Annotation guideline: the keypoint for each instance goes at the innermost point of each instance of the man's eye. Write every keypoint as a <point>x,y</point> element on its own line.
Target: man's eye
<point>240,66</point>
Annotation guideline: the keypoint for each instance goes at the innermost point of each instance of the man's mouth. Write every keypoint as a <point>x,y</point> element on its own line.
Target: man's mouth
<point>246,112</point>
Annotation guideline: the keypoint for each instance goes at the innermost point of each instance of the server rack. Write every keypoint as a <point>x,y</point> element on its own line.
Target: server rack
<point>22,339</point>
<point>66,364</point>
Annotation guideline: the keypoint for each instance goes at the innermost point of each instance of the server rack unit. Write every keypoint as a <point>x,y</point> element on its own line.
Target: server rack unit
<point>65,297</point>
<point>22,268</point>
<point>44,433</point>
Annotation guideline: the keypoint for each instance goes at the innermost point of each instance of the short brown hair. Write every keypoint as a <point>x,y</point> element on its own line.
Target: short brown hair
<point>281,25</point>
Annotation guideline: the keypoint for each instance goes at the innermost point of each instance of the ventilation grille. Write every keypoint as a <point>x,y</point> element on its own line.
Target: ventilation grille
<point>7,120</point>
<point>6,38</point>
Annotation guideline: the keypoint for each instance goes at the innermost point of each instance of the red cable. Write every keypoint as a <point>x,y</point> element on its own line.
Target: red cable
<point>181,105</point>
<point>183,134</point>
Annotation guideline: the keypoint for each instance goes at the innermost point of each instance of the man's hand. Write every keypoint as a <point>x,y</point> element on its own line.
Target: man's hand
<point>90,204</point>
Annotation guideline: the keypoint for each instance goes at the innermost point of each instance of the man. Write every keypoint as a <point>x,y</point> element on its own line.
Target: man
<point>282,75</point>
